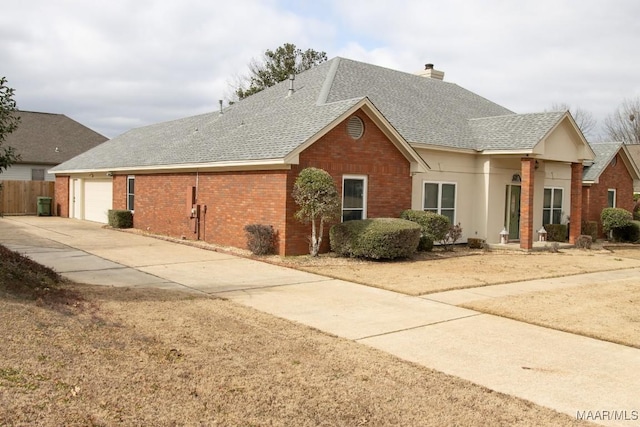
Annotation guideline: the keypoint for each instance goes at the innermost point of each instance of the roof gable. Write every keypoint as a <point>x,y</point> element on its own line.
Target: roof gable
<point>605,152</point>
<point>50,138</point>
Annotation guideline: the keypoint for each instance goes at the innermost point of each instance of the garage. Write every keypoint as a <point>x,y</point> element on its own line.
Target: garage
<point>98,199</point>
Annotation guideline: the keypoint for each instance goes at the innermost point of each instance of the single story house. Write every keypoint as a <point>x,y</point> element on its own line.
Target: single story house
<point>391,140</point>
<point>44,140</point>
<point>608,181</point>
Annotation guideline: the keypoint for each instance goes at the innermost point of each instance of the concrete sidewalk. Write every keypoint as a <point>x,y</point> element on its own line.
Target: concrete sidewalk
<point>569,373</point>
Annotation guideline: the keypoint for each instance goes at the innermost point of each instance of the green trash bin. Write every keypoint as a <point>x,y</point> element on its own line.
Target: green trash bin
<point>44,206</point>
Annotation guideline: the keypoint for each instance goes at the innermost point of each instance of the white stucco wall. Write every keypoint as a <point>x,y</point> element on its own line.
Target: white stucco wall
<point>481,188</point>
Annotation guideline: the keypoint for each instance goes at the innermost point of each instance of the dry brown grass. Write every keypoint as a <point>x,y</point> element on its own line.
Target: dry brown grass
<point>441,271</point>
<point>106,356</point>
<point>606,311</point>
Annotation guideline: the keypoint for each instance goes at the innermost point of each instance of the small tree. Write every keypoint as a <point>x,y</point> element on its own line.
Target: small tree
<point>316,194</point>
<point>8,123</point>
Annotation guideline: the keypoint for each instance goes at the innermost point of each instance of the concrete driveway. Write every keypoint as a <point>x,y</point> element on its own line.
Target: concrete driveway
<point>570,373</point>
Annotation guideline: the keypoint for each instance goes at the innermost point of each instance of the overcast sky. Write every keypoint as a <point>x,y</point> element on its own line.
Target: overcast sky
<point>122,64</point>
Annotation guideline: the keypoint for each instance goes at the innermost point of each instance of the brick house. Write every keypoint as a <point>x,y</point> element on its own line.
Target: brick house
<point>608,181</point>
<point>391,140</point>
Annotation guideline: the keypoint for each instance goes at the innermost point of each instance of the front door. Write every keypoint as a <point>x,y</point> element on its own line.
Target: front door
<point>512,214</point>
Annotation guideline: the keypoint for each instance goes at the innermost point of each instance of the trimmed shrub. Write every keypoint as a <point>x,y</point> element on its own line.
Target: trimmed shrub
<point>378,238</point>
<point>120,218</point>
<point>556,232</point>
<point>628,233</point>
<point>584,242</point>
<point>422,219</point>
<point>434,226</point>
<point>261,239</point>
<point>615,218</point>
<point>590,228</point>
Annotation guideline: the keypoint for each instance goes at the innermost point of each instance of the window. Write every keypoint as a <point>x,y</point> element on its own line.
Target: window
<point>552,206</point>
<point>611,198</point>
<point>440,197</point>
<point>130,192</point>
<point>354,197</point>
<point>37,174</point>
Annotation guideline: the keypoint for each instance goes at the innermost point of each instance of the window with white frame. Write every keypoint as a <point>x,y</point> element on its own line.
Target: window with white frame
<point>611,198</point>
<point>354,197</point>
<point>440,197</point>
<point>552,206</point>
<point>130,191</point>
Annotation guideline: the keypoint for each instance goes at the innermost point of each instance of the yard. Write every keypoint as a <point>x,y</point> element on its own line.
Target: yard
<point>84,355</point>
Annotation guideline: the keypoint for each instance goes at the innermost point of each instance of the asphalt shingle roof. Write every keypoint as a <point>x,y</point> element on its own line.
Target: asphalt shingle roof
<point>270,124</point>
<point>39,135</point>
<point>605,152</point>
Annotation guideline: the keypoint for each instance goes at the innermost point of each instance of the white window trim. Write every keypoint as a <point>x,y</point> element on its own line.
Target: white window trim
<point>455,199</point>
<point>552,209</point>
<point>615,196</point>
<point>131,177</point>
<point>364,194</point>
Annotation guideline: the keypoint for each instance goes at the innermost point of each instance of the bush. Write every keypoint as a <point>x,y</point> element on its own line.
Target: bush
<point>379,238</point>
<point>590,228</point>
<point>584,242</point>
<point>120,218</point>
<point>452,236</point>
<point>615,218</point>
<point>475,243</point>
<point>628,233</point>
<point>261,239</point>
<point>434,226</point>
<point>556,232</point>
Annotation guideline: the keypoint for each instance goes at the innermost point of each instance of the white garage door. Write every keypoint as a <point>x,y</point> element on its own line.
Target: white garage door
<point>98,195</point>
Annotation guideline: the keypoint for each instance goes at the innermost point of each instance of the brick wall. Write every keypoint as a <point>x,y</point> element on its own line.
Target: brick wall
<point>594,198</point>
<point>62,196</point>
<point>576,202</point>
<point>235,199</point>
<point>387,171</point>
<point>526,203</point>
<point>119,195</point>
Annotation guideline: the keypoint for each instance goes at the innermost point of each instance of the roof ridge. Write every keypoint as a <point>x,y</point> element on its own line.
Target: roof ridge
<point>328,82</point>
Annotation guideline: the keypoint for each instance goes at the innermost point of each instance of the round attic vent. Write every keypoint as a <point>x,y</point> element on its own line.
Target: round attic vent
<point>355,127</point>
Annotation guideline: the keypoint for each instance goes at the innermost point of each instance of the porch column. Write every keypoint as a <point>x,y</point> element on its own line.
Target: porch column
<point>575,226</point>
<point>527,166</point>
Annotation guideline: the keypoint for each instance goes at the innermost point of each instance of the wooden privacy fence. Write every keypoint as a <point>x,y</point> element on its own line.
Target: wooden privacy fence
<point>21,197</point>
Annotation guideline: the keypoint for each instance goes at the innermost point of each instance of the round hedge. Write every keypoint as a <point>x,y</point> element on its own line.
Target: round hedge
<point>377,238</point>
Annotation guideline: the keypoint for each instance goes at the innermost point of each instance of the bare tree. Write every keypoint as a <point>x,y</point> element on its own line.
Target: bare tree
<point>624,123</point>
<point>584,119</point>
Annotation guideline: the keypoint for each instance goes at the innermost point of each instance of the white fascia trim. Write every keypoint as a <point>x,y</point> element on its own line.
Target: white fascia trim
<point>508,152</point>
<point>187,167</point>
<point>423,146</point>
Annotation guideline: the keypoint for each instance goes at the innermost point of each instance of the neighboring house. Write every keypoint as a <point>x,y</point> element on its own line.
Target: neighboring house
<point>608,181</point>
<point>391,140</point>
<point>44,140</point>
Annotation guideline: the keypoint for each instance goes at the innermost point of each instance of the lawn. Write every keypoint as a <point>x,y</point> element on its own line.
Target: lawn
<point>85,355</point>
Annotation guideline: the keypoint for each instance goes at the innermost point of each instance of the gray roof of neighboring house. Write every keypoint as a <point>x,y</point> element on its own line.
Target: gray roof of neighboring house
<point>605,152</point>
<point>45,138</point>
<point>270,124</point>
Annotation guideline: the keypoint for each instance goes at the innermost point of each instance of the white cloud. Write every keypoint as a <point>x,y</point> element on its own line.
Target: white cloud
<point>126,63</point>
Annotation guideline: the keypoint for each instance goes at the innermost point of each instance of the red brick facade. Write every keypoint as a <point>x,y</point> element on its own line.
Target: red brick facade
<point>62,196</point>
<point>594,198</point>
<point>227,201</point>
<point>526,203</point>
<point>576,202</point>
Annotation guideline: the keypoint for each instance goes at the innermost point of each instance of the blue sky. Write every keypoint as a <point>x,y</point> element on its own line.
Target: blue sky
<point>127,63</point>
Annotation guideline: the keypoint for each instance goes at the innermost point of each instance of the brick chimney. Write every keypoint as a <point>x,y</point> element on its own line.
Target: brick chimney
<point>431,73</point>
